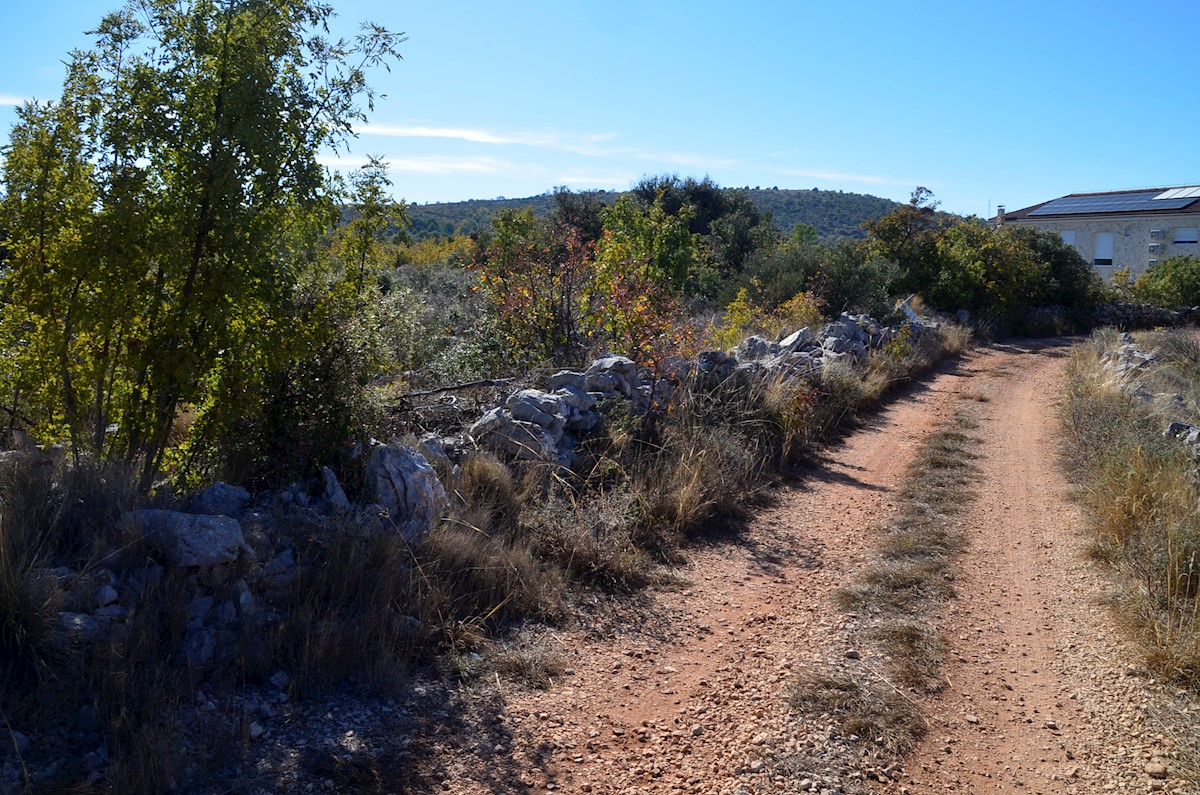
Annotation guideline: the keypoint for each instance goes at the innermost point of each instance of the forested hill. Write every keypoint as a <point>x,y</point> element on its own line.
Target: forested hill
<point>834,214</point>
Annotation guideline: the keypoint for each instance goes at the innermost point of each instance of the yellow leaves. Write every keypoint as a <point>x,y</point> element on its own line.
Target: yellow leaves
<point>745,316</point>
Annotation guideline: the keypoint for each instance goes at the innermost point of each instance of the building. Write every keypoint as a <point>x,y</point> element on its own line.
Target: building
<point>1131,229</point>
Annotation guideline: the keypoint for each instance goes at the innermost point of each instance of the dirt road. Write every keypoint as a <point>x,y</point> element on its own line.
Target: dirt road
<point>688,692</point>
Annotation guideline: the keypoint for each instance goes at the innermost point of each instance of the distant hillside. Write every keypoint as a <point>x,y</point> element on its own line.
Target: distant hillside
<point>834,214</point>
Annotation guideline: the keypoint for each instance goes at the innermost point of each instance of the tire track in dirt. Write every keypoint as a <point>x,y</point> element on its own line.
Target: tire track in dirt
<point>1037,700</point>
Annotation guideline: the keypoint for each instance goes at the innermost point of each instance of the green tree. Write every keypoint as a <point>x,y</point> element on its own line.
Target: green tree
<point>646,261</point>
<point>1070,281</point>
<point>988,270</point>
<point>360,243</point>
<point>908,236</point>
<point>160,212</point>
<point>727,220</point>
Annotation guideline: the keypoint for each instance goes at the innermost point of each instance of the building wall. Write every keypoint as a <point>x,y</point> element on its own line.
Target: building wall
<point>1132,237</point>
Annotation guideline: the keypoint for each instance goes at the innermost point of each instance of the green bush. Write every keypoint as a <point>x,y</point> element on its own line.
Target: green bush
<point>1171,283</point>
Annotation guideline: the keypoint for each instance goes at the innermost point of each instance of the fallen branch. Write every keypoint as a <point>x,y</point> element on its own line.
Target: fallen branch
<point>455,387</point>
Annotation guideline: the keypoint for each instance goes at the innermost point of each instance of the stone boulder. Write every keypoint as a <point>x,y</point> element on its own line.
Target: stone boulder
<point>332,491</point>
<point>612,375</point>
<point>404,483</point>
<point>755,348</point>
<point>581,408</point>
<point>221,499</point>
<point>568,378</point>
<point>796,340</point>
<point>187,539</point>
<point>523,440</point>
<point>716,365</point>
<point>540,408</point>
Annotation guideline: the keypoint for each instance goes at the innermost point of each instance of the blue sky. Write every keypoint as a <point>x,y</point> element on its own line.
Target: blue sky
<point>984,103</point>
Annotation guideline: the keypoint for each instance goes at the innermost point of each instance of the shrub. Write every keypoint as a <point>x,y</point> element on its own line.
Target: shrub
<point>747,315</point>
<point>1171,283</point>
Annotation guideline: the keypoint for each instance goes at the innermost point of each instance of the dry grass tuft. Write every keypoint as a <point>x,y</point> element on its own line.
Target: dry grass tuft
<point>533,661</point>
<point>915,552</point>
<point>916,651</point>
<point>878,713</point>
<point>596,542</point>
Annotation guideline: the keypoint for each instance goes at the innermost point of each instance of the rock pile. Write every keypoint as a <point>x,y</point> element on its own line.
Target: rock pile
<point>238,563</point>
<point>545,426</point>
<point>1124,363</point>
<point>1125,315</point>
<point>1125,367</point>
<point>536,425</point>
<point>807,352</point>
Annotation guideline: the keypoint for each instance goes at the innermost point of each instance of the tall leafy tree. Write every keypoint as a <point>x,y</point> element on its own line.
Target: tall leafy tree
<point>159,213</point>
<point>908,236</point>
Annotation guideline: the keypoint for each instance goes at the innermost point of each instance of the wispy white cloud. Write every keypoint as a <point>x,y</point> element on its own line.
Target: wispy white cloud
<point>840,176</point>
<point>432,164</point>
<point>597,145</point>
<point>11,101</point>
<point>582,144</point>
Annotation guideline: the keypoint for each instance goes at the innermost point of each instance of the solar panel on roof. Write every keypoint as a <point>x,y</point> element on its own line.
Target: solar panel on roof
<point>1192,192</point>
<point>1113,203</point>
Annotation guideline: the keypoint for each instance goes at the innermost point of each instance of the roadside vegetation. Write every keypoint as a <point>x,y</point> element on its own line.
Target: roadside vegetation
<point>1140,484</point>
<point>1171,283</point>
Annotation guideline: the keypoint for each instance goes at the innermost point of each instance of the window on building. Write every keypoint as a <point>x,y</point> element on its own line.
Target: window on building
<point>1068,237</point>
<point>1103,258</point>
<point>1187,234</point>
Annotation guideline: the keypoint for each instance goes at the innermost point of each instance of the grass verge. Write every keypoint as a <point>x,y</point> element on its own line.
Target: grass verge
<point>1141,488</point>
<point>899,593</point>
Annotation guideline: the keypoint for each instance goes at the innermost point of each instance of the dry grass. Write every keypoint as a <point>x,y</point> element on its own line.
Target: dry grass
<point>873,711</point>
<point>914,564</point>
<point>534,660</point>
<point>596,542</point>
<point>899,592</point>
<point>1141,491</point>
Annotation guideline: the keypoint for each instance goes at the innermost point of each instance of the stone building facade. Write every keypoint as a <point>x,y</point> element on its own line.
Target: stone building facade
<point>1131,229</point>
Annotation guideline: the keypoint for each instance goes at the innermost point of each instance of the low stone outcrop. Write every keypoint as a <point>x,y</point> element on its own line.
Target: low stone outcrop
<point>806,352</point>
<point>221,499</point>
<point>1124,363</point>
